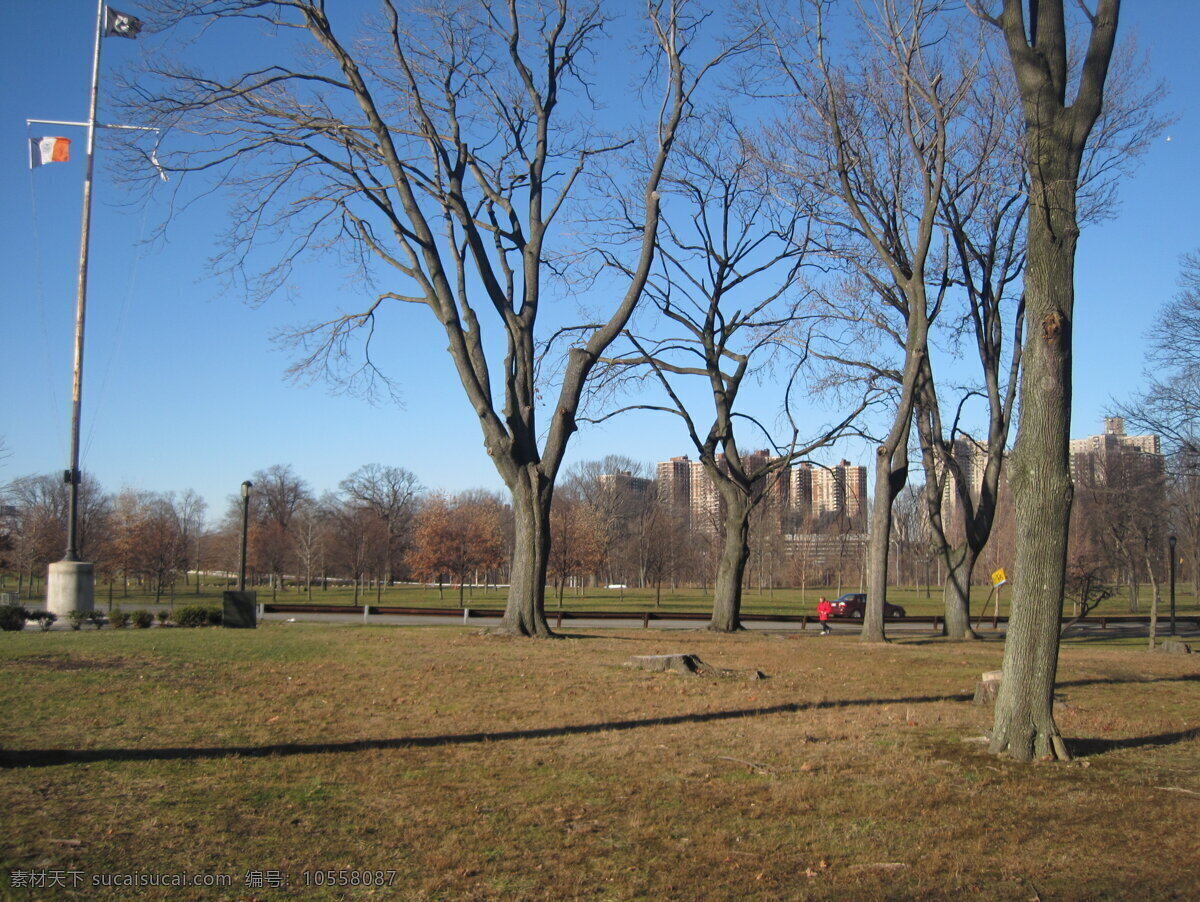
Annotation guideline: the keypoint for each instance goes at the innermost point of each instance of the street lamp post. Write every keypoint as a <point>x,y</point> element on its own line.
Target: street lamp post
<point>1171,540</point>
<point>246,486</point>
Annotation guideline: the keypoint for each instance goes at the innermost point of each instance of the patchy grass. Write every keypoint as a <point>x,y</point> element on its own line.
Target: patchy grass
<point>478,767</point>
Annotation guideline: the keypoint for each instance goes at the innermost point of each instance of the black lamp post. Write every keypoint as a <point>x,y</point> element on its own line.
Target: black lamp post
<point>246,486</point>
<point>1171,542</point>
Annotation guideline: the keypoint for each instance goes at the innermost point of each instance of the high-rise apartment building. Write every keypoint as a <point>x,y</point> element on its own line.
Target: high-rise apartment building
<point>1097,459</point>
<point>792,496</point>
<point>840,489</point>
<point>704,501</point>
<point>675,486</point>
<point>800,492</point>
<point>624,481</point>
<point>971,457</point>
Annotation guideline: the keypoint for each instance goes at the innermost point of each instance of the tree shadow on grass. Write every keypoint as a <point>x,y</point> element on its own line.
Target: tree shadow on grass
<point>1088,748</point>
<point>1127,680</point>
<point>26,758</point>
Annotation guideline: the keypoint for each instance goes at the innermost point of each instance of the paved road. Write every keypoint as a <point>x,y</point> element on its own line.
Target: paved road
<point>631,623</point>
<point>850,628</point>
<point>1187,631</point>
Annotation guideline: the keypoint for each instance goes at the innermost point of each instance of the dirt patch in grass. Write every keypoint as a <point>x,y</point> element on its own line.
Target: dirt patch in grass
<point>466,766</point>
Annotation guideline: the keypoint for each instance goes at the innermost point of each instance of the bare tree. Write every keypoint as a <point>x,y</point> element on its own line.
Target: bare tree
<point>352,530</point>
<point>310,535</point>
<point>443,149</point>
<point>871,140</point>
<point>983,209</point>
<point>190,509</point>
<point>1056,134</point>
<point>391,494</point>
<point>278,492</point>
<point>1170,405</point>
<point>617,494</point>
<point>40,523</point>
<point>724,292</point>
<point>579,539</point>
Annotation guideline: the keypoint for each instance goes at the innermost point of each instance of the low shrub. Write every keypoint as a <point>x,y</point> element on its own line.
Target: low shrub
<point>143,619</point>
<point>119,619</point>
<point>77,618</point>
<point>164,615</point>
<point>96,618</point>
<point>215,616</point>
<point>192,615</point>
<point>44,619</point>
<point>13,617</point>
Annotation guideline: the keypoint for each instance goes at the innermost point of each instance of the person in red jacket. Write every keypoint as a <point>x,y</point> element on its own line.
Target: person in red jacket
<point>824,609</point>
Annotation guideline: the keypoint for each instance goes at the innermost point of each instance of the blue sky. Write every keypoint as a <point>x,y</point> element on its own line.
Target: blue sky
<point>184,389</point>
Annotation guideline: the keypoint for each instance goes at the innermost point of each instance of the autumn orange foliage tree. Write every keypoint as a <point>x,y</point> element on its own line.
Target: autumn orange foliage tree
<point>457,536</point>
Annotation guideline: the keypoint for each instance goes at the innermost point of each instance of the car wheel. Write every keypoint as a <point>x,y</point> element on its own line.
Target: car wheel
<point>857,615</point>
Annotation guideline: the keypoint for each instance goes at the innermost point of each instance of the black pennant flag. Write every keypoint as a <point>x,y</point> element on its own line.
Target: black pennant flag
<point>120,25</point>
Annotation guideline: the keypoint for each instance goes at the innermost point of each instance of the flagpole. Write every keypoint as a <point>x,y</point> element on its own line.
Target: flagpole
<point>71,583</point>
<point>73,475</point>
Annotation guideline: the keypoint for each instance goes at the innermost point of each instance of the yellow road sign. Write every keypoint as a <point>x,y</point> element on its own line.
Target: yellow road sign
<point>999,578</point>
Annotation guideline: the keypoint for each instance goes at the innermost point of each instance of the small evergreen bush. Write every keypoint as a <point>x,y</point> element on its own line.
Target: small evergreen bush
<point>13,617</point>
<point>44,619</point>
<point>143,619</point>
<point>192,615</point>
<point>96,618</point>
<point>164,615</point>
<point>77,618</point>
<point>119,619</point>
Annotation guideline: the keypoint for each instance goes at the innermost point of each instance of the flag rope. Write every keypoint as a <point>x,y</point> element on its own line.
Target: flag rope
<point>114,347</point>
<point>40,297</point>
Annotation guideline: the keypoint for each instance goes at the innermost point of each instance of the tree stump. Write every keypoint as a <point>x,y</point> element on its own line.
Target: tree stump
<point>1174,647</point>
<point>987,687</point>
<point>688,664</point>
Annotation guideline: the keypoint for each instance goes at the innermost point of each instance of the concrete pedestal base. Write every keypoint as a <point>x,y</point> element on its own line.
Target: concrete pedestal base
<point>70,586</point>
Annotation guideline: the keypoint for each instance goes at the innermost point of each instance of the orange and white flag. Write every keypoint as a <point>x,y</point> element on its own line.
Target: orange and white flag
<point>48,150</point>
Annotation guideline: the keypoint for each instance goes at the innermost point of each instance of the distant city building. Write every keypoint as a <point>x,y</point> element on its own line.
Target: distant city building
<point>818,558</point>
<point>793,496</point>
<point>971,456</point>
<point>624,481</point>
<point>675,486</point>
<point>704,501</point>
<point>1094,459</point>
<point>840,490</point>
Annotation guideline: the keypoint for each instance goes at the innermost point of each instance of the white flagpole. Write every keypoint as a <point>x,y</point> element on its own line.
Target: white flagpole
<point>73,474</point>
<point>71,583</point>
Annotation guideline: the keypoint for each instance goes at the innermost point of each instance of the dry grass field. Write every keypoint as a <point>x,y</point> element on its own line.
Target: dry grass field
<point>455,765</point>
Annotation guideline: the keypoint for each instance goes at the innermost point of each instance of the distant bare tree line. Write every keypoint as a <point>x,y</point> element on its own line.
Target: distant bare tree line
<point>381,526</point>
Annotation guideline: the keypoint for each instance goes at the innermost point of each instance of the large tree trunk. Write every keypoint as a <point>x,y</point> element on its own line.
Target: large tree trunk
<point>727,595</point>
<point>1040,477</point>
<point>524,613</point>
<point>1056,133</point>
<point>960,563</point>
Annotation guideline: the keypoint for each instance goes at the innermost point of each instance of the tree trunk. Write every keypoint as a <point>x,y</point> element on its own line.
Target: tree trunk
<point>1024,724</point>
<point>960,563</point>
<point>735,554</point>
<point>891,472</point>
<point>524,613</point>
<point>1153,603</point>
